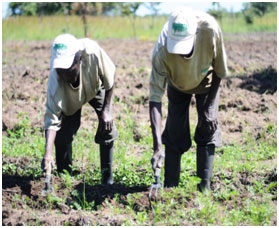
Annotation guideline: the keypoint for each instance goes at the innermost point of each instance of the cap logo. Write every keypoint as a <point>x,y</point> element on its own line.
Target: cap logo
<point>59,47</point>
<point>180,30</point>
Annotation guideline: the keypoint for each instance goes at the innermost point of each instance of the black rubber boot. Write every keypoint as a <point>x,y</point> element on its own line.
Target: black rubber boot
<point>63,157</point>
<point>106,154</point>
<point>172,168</point>
<point>205,157</point>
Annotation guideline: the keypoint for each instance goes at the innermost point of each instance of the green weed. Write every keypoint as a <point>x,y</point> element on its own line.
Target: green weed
<point>234,201</point>
<point>80,201</point>
<point>67,180</point>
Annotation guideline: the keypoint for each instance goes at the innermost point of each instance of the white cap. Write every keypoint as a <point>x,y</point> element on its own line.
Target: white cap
<point>182,27</point>
<point>64,48</point>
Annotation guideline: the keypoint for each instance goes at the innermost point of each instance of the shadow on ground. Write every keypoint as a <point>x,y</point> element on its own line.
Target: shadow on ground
<point>99,193</point>
<point>16,183</point>
<point>264,81</point>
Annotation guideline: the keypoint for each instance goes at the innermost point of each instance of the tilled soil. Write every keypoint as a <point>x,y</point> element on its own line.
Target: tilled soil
<point>247,104</point>
<point>251,88</point>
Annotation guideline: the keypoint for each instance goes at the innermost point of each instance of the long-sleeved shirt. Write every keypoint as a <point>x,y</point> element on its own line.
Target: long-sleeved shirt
<point>189,75</point>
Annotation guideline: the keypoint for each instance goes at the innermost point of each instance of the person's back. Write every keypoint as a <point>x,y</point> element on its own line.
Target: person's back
<point>186,74</point>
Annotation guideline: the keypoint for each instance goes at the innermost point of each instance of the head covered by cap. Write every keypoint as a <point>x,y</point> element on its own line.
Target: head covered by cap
<point>182,27</point>
<point>64,48</point>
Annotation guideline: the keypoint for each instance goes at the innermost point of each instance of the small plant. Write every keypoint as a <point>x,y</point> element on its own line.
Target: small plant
<point>225,195</point>
<point>9,169</point>
<point>207,210</point>
<point>79,201</point>
<point>67,180</point>
<point>16,199</point>
<point>22,128</point>
<point>258,213</point>
<point>53,201</point>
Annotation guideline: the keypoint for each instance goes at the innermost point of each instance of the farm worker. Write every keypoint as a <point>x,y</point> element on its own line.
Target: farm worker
<point>80,72</point>
<point>189,57</point>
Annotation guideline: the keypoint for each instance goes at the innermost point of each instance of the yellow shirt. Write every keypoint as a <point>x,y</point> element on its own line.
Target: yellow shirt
<point>96,69</point>
<point>187,75</point>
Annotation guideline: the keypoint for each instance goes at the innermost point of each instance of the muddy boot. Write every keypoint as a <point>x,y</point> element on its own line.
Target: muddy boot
<point>205,157</point>
<point>172,168</point>
<point>63,157</point>
<point>106,154</point>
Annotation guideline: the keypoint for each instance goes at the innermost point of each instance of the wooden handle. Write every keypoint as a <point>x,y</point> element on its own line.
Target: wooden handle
<point>48,169</point>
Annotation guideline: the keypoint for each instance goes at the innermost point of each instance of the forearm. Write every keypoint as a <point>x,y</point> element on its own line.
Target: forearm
<point>213,90</point>
<point>108,99</point>
<point>155,112</point>
<point>50,137</point>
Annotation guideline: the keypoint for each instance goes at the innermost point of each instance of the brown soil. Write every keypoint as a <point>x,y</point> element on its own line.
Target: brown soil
<point>247,104</point>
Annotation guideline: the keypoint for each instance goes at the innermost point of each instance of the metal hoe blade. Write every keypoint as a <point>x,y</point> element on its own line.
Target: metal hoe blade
<point>156,186</point>
<point>48,188</point>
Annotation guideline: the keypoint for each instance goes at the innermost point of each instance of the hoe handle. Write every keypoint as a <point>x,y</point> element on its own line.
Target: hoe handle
<point>48,169</point>
<point>48,174</point>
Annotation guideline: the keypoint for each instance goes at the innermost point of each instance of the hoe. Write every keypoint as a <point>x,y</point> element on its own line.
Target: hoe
<point>48,188</point>
<point>157,185</point>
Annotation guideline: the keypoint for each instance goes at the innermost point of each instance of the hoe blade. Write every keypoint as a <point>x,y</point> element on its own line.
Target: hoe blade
<point>154,189</point>
<point>48,188</point>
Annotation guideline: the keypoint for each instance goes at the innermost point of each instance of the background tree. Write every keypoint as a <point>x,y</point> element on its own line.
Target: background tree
<point>130,9</point>
<point>49,8</point>
<point>258,9</point>
<point>68,8</point>
<point>154,8</point>
<point>217,11</point>
<point>23,8</point>
<point>261,8</point>
<point>110,8</point>
<point>84,17</point>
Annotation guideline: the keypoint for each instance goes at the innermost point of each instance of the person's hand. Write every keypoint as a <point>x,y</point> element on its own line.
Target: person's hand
<point>207,124</point>
<point>157,161</point>
<point>106,121</point>
<point>47,160</point>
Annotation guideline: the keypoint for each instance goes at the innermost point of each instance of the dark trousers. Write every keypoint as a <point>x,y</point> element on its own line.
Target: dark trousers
<point>176,135</point>
<point>69,128</point>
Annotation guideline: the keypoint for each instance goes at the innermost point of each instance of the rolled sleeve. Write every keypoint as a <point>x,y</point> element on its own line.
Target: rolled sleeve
<point>52,116</point>
<point>106,70</point>
<point>158,80</point>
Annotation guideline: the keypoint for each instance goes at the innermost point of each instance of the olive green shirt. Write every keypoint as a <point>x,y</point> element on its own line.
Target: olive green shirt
<point>189,75</point>
<point>96,69</point>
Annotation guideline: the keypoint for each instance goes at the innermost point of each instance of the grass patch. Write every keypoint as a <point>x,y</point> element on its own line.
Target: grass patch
<point>48,27</point>
<point>244,187</point>
<point>237,24</point>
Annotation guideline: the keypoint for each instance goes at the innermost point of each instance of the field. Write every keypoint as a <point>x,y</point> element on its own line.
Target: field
<point>45,28</point>
<point>245,169</point>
